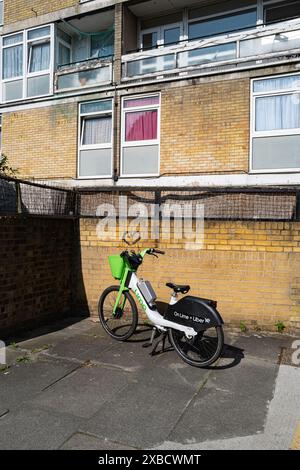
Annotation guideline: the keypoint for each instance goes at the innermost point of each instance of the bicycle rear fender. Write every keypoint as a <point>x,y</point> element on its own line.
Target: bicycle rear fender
<point>195,312</point>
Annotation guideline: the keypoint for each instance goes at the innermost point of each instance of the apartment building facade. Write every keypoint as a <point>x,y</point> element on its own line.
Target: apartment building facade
<point>147,93</point>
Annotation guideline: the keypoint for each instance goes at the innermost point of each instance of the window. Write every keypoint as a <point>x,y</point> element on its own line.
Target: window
<point>64,48</point>
<point>0,134</point>
<point>276,123</point>
<point>140,136</point>
<point>1,12</point>
<point>212,21</point>
<point>95,139</point>
<point>161,36</point>
<point>27,64</point>
<point>281,11</point>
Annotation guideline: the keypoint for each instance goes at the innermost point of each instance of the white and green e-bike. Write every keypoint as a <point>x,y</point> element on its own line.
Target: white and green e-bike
<point>194,325</point>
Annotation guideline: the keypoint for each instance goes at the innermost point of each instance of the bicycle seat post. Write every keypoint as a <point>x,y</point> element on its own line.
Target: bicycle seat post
<point>174,298</point>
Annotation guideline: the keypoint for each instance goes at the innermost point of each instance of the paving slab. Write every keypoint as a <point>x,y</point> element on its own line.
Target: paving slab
<point>81,347</point>
<point>233,402</point>
<point>31,428</point>
<point>23,380</point>
<point>261,346</point>
<point>141,415</point>
<point>83,392</point>
<point>81,441</point>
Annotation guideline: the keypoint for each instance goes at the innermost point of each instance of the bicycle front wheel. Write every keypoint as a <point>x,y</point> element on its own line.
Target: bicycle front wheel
<point>121,325</point>
<point>200,351</point>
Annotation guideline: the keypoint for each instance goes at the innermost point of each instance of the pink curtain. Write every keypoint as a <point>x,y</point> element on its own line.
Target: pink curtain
<point>141,125</point>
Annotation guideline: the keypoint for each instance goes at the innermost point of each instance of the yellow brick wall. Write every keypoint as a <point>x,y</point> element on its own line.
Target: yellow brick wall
<point>250,268</point>
<point>42,142</point>
<point>205,128</point>
<point>18,10</point>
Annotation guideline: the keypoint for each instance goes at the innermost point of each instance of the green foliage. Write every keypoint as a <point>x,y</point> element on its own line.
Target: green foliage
<point>280,326</point>
<point>243,327</point>
<point>23,359</point>
<point>5,168</point>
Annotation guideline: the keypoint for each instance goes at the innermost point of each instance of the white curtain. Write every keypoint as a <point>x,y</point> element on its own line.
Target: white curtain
<point>97,130</point>
<point>13,62</point>
<point>274,84</point>
<point>40,57</point>
<point>278,112</point>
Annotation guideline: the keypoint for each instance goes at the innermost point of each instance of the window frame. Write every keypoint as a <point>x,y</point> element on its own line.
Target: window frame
<point>139,143</point>
<point>110,145</point>
<point>269,133</point>
<point>160,30</point>
<point>27,43</point>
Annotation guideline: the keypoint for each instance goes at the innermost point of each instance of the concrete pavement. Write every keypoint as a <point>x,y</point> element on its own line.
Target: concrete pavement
<point>69,386</point>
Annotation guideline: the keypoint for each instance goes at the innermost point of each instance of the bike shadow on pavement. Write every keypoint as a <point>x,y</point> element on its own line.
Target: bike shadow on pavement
<point>230,357</point>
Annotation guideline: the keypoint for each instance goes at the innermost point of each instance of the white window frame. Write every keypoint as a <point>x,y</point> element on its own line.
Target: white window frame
<point>109,145</point>
<point>160,30</point>
<point>26,43</point>
<point>271,133</point>
<point>139,143</point>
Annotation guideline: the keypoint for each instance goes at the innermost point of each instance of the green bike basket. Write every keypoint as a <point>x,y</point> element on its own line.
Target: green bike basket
<point>117,266</point>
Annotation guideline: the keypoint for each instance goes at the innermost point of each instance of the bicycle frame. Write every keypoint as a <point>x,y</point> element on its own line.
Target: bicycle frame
<point>129,281</point>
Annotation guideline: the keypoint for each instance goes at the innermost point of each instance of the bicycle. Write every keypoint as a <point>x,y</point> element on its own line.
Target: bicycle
<point>193,324</point>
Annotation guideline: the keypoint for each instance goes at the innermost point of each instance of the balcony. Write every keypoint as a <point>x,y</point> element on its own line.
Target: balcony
<point>89,73</point>
<point>248,49</point>
<point>84,52</point>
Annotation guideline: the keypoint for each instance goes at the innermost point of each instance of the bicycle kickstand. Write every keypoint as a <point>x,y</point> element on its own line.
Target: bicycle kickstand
<point>161,338</point>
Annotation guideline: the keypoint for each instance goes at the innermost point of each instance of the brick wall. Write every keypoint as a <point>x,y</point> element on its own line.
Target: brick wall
<point>42,142</point>
<point>251,268</point>
<point>205,128</point>
<point>18,10</point>
<point>36,269</point>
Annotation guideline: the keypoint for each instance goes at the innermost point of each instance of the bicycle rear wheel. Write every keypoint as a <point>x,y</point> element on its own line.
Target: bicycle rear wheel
<point>121,325</point>
<point>200,351</point>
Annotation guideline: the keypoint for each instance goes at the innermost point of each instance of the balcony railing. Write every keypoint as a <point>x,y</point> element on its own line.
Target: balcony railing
<point>89,73</point>
<point>236,50</point>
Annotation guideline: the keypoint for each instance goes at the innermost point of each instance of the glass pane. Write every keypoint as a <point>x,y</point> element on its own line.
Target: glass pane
<point>143,101</point>
<point>223,24</point>
<point>283,11</point>
<point>217,7</point>
<point>14,39</point>
<point>64,55</point>
<point>149,40</point>
<point>141,125</point>
<point>96,162</point>
<point>141,160</point>
<point>96,106</point>
<point>1,13</point>
<point>151,65</point>
<point>13,90</point>
<point>102,45</point>
<point>84,79</point>
<point>171,36</point>
<point>13,62</point>
<point>38,86</point>
<point>207,55</point>
<point>39,57</point>
<point>97,130</point>
<point>64,36</point>
<point>274,84</point>
<point>278,112</point>
<point>273,43</point>
<point>39,33</point>
<point>275,153</point>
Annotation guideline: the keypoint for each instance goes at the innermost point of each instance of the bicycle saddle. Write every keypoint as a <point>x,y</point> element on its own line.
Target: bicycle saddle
<point>183,289</point>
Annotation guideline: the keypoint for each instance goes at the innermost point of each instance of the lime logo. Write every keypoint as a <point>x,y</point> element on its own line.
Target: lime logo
<point>140,299</point>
